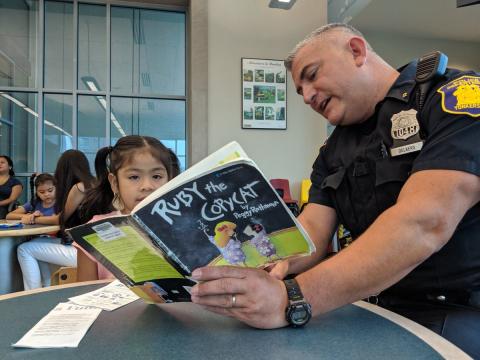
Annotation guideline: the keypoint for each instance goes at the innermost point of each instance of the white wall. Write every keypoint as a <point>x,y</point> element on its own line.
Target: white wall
<point>249,28</point>
<point>398,49</point>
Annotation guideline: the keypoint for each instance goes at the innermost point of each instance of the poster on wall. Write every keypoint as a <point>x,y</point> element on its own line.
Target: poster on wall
<point>264,94</point>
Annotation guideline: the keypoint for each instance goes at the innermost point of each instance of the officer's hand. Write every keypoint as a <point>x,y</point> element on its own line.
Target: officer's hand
<point>249,295</point>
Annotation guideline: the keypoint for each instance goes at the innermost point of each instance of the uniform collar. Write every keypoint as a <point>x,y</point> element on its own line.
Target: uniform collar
<point>403,87</point>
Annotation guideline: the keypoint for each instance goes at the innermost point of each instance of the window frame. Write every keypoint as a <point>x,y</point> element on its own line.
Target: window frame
<point>42,92</point>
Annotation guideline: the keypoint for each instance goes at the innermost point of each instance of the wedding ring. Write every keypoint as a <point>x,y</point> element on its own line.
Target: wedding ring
<point>234,300</point>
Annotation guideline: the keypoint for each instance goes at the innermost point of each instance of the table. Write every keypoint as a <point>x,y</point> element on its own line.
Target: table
<point>186,331</point>
<point>10,272</point>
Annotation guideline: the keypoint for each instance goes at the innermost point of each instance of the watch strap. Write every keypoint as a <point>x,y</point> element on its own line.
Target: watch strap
<point>293,290</point>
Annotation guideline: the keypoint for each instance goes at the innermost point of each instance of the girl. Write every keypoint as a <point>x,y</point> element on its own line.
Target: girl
<point>40,209</point>
<point>35,255</point>
<point>73,180</point>
<point>131,170</point>
<point>10,187</point>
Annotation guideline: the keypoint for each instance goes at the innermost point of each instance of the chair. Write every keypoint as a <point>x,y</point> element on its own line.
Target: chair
<point>282,186</point>
<point>64,275</point>
<point>344,238</point>
<point>304,189</point>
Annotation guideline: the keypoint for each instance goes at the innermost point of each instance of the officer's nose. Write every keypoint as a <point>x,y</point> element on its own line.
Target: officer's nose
<point>308,95</point>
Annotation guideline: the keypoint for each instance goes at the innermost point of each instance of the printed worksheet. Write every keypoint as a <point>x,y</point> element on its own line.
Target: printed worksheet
<point>109,297</point>
<point>64,326</point>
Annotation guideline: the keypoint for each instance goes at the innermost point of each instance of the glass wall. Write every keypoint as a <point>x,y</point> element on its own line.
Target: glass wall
<point>162,119</point>
<point>57,128</point>
<point>18,43</point>
<point>148,51</point>
<point>81,74</point>
<point>19,109</point>
<point>92,47</point>
<point>58,64</point>
<point>91,125</point>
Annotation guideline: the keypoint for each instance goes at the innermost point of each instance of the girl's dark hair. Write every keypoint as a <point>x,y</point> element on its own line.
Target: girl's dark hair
<point>10,164</point>
<point>110,159</point>
<point>36,181</point>
<point>72,168</point>
<point>175,164</point>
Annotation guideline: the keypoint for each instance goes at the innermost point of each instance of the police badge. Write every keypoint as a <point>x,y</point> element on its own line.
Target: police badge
<point>405,133</point>
<point>462,96</point>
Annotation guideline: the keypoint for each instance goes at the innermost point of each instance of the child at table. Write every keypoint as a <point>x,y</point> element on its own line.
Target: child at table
<point>132,169</point>
<point>41,207</point>
<point>38,256</point>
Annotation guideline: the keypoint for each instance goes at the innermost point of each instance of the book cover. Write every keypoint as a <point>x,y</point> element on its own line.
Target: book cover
<point>216,213</point>
<point>229,216</point>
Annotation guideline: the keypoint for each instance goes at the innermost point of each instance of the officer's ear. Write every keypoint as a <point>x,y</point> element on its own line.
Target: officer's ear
<point>358,48</point>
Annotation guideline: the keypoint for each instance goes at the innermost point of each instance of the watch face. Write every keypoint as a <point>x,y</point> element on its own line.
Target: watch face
<point>299,315</point>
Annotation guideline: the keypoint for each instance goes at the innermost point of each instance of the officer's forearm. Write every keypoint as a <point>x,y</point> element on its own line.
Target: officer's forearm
<point>401,238</point>
<point>319,222</point>
<point>375,261</point>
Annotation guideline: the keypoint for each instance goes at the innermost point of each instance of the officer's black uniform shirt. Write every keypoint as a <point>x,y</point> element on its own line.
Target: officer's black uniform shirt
<point>356,174</point>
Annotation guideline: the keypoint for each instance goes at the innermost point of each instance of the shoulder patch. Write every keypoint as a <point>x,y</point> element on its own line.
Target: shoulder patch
<point>462,96</point>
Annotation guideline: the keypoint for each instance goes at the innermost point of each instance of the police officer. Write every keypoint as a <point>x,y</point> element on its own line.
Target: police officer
<point>401,172</point>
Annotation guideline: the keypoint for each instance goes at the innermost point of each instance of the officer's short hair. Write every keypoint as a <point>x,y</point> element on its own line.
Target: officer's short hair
<point>317,33</point>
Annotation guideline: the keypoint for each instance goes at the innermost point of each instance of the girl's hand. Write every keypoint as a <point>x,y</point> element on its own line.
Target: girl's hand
<point>279,270</point>
<point>37,213</point>
<point>28,219</point>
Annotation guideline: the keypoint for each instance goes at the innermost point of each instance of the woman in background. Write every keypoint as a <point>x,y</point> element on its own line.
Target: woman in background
<point>10,187</point>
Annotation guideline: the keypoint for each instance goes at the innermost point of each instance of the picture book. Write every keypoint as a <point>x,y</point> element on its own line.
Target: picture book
<point>221,211</point>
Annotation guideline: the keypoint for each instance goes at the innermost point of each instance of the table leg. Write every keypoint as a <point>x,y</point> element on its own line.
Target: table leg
<point>10,273</point>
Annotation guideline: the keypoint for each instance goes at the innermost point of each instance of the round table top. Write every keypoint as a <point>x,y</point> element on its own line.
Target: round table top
<point>27,230</point>
<point>185,330</point>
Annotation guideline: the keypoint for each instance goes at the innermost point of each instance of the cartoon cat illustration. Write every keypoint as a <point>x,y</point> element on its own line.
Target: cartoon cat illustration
<point>260,240</point>
<point>225,240</point>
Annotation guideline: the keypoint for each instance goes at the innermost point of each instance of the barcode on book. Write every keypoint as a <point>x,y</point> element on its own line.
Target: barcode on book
<point>108,232</point>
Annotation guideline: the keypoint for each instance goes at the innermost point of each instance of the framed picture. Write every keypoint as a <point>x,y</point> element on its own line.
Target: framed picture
<point>264,94</point>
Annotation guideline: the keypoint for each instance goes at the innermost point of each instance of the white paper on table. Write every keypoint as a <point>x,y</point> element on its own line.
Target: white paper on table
<point>109,297</point>
<point>64,326</point>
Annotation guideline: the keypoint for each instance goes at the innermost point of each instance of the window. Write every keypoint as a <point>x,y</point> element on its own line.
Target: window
<point>77,74</point>
<point>162,119</point>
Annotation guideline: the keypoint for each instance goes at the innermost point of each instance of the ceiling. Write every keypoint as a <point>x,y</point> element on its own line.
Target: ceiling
<point>439,19</point>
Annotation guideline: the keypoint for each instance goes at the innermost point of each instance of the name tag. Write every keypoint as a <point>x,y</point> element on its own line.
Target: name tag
<point>401,150</point>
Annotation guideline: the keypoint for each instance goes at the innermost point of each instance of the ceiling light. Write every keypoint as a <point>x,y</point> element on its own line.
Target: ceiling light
<point>27,109</point>
<point>281,4</point>
<point>92,85</point>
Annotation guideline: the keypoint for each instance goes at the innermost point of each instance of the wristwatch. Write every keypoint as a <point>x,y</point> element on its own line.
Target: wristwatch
<point>298,312</point>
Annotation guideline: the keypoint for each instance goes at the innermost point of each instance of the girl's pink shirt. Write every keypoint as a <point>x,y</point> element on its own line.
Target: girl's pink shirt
<point>102,271</point>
